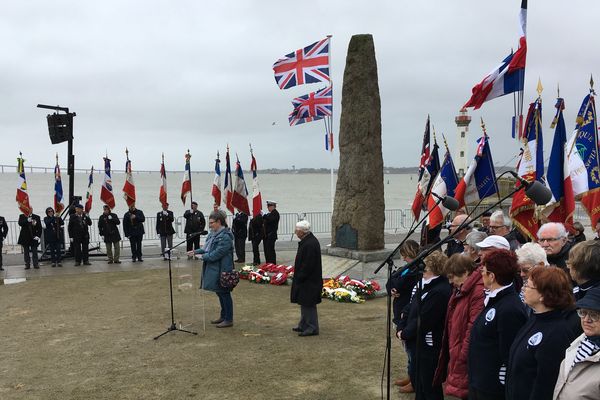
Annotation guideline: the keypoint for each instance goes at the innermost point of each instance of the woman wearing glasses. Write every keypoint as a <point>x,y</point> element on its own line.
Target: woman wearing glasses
<point>579,373</point>
<point>538,348</point>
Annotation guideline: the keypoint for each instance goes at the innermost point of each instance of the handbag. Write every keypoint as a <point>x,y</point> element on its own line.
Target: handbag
<point>229,280</point>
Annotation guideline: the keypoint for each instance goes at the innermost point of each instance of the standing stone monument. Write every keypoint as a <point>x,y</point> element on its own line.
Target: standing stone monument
<point>359,208</point>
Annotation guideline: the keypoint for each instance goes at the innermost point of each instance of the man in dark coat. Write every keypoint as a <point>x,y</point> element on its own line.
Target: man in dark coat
<point>80,235</point>
<point>256,233</point>
<point>194,224</point>
<point>133,227</point>
<point>553,238</point>
<point>271,224</point>
<point>3,234</point>
<point>29,237</point>
<point>53,236</point>
<point>108,228</point>
<point>164,228</point>
<point>240,233</point>
<point>307,283</point>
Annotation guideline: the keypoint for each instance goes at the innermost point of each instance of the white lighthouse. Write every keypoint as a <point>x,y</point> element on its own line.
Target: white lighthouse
<point>462,133</point>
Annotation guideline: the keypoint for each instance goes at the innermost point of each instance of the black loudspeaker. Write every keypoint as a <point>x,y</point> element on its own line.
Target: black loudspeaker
<point>60,127</point>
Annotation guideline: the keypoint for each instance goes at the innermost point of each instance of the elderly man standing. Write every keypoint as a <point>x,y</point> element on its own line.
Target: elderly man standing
<point>552,236</point>
<point>456,244</point>
<point>308,280</point>
<point>501,225</point>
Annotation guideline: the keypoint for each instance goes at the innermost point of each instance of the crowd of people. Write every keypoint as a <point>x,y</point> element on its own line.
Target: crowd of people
<point>262,228</point>
<point>496,316</point>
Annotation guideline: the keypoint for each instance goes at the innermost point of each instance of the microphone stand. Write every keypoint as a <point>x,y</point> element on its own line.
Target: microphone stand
<point>390,262</point>
<point>174,327</point>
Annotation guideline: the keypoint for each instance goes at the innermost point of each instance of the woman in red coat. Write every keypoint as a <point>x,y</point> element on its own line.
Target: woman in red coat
<point>464,306</point>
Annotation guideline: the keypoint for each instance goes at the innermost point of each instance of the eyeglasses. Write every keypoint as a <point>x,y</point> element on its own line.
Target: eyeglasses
<point>494,227</point>
<point>594,316</point>
<point>542,240</point>
<point>528,286</point>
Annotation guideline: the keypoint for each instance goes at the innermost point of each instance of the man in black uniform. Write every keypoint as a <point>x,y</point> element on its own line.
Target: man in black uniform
<point>271,224</point>
<point>133,227</point>
<point>255,235</point>
<point>108,228</point>
<point>29,237</point>
<point>194,224</point>
<point>164,228</point>
<point>80,235</point>
<point>240,233</point>
<point>3,233</point>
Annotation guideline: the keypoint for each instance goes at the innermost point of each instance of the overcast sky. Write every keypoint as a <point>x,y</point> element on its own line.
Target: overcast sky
<point>167,75</point>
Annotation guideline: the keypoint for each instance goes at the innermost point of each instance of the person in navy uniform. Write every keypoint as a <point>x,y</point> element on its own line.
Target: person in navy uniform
<point>239,227</point>
<point>29,238</point>
<point>540,345</point>
<point>496,327</point>
<point>164,228</point>
<point>195,223</point>
<point>3,234</point>
<point>108,227</point>
<point>256,233</point>
<point>271,224</point>
<point>133,227</point>
<point>80,235</point>
<point>53,236</point>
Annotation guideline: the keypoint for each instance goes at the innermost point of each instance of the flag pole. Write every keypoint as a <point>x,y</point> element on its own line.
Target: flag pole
<point>331,160</point>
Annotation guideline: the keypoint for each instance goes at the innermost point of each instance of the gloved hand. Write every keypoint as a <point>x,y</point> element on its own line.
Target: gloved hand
<point>37,239</point>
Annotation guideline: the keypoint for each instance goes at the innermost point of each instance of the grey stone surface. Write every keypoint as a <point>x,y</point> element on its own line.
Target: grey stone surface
<point>359,198</point>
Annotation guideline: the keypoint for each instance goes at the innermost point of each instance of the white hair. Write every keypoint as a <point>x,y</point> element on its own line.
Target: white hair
<point>531,253</point>
<point>475,237</point>
<point>303,225</point>
<point>560,229</point>
<point>498,215</point>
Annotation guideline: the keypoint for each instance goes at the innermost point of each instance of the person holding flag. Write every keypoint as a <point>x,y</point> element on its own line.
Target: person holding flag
<point>53,236</point>
<point>80,235</point>
<point>108,227</point>
<point>255,231</point>
<point>164,228</point>
<point>30,223</point>
<point>271,225</point>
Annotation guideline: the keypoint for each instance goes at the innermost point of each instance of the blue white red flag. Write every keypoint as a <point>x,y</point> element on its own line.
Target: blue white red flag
<point>106,193</point>
<point>312,106</point>
<point>562,205</point>
<point>479,181</point>
<point>22,195</point>
<point>256,196</point>
<point>329,141</point>
<point>531,168</point>
<point>444,185</point>
<point>216,187</point>
<point>186,185</point>
<point>509,76</point>
<point>239,198</point>
<point>584,166</point>
<point>58,190</point>
<point>89,196</point>
<point>307,65</point>
<point>129,186</point>
<point>429,167</point>
<point>162,194</point>
<point>227,187</point>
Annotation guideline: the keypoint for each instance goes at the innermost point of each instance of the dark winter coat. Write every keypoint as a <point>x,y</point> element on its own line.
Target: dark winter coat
<point>535,356</point>
<point>3,229</point>
<point>164,223</point>
<point>403,282</point>
<point>560,259</point>
<point>52,233</point>
<point>463,308</point>
<point>454,247</point>
<point>307,284</point>
<point>78,227</point>
<point>256,231</point>
<point>108,227</point>
<point>134,226</point>
<point>194,221</point>
<point>492,334</point>
<point>29,230</point>
<point>271,222</point>
<point>219,258</point>
<point>239,226</point>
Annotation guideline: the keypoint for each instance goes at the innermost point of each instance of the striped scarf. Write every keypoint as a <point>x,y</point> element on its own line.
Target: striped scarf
<point>586,349</point>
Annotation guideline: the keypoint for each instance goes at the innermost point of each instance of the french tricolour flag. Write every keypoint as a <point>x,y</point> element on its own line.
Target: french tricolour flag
<point>256,196</point>
<point>509,76</point>
<point>227,186</point>
<point>444,185</point>
<point>239,198</point>
<point>479,181</point>
<point>216,187</point>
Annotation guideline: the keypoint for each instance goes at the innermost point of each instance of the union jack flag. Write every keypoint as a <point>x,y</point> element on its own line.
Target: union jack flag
<point>312,106</point>
<point>307,65</point>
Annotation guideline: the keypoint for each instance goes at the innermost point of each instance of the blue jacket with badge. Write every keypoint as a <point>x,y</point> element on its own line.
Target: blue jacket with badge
<point>217,254</point>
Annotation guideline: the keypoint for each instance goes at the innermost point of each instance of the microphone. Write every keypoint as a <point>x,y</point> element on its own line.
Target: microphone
<point>535,190</point>
<point>448,202</point>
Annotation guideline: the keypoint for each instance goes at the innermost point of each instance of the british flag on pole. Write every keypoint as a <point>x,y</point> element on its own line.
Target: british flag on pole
<point>307,65</point>
<point>312,106</point>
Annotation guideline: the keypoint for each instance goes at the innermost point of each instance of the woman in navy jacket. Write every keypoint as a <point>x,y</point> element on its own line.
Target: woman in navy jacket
<point>539,347</point>
<point>495,328</point>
